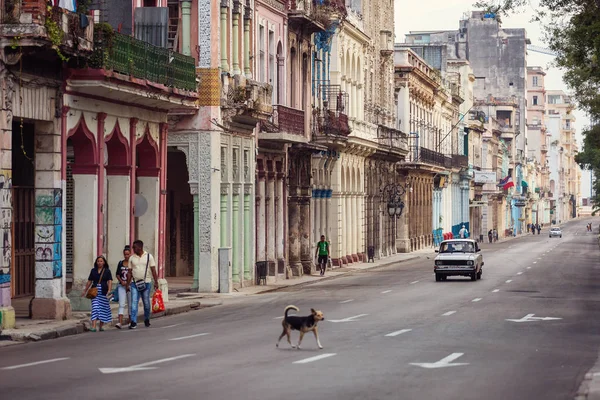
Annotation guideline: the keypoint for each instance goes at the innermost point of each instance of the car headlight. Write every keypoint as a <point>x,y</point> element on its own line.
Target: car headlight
<point>470,263</point>
<point>437,262</point>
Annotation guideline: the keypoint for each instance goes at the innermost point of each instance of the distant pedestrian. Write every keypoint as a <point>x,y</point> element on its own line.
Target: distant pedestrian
<point>123,289</point>
<point>140,282</point>
<point>101,279</point>
<point>490,235</point>
<point>463,233</point>
<point>495,235</point>
<point>533,229</point>
<point>539,229</point>
<point>322,254</point>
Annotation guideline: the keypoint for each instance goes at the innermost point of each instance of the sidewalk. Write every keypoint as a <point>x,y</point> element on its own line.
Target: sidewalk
<point>181,301</point>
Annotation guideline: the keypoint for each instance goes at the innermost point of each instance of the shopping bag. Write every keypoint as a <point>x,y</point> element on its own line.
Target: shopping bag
<point>157,302</point>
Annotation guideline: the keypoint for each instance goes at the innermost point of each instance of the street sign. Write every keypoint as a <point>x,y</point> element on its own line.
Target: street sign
<point>531,318</point>
<point>443,363</point>
<point>484,177</point>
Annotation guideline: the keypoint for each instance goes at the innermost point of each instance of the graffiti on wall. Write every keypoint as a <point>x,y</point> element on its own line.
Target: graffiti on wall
<point>5,236</point>
<point>48,229</point>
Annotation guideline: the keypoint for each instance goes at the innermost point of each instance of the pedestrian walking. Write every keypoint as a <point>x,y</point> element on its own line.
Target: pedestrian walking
<point>463,233</point>
<point>123,290</point>
<point>100,278</point>
<point>322,254</point>
<point>143,271</point>
<point>539,229</point>
<point>495,235</point>
<point>532,229</point>
<point>490,236</point>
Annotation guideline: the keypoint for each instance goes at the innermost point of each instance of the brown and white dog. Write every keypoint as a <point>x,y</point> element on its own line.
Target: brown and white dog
<point>301,324</point>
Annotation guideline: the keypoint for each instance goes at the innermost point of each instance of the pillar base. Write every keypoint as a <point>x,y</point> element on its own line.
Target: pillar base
<point>7,318</point>
<point>59,309</point>
<point>79,303</point>
<point>308,267</point>
<point>362,257</point>
<point>403,246</point>
<point>163,286</point>
<point>296,269</point>
<point>355,258</point>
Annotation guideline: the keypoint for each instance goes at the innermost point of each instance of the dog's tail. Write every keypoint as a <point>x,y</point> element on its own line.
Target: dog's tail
<point>288,308</point>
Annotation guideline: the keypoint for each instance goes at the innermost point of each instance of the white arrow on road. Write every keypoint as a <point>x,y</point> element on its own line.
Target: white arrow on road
<point>142,367</point>
<point>443,363</point>
<point>349,319</point>
<point>531,318</point>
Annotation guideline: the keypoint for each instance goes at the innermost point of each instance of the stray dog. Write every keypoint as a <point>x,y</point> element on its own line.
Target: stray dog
<point>302,324</point>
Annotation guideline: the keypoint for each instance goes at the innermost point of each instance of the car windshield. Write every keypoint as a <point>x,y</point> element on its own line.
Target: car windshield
<point>457,247</point>
<point>555,229</point>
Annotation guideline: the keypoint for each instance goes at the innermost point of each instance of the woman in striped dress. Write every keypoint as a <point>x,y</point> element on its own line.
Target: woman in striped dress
<point>100,277</point>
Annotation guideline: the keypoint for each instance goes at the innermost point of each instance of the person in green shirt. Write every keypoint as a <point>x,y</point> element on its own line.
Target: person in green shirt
<point>322,252</point>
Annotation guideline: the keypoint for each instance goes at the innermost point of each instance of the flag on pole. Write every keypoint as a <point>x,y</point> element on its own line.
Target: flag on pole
<point>506,182</point>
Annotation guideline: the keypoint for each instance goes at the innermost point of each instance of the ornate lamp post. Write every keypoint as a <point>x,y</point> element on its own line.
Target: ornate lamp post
<point>392,193</point>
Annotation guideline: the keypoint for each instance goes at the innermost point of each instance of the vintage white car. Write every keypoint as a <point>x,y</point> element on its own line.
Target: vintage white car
<point>460,257</point>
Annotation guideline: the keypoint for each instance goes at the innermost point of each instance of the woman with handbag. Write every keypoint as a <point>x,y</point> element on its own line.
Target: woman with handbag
<point>98,289</point>
<point>122,274</point>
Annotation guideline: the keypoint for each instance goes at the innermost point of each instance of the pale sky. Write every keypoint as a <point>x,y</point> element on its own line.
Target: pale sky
<point>445,15</point>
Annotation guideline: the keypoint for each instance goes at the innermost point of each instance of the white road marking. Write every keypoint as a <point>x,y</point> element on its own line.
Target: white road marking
<point>528,267</point>
<point>346,301</point>
<point>173,326</point>
<point>349,319</point>
<point>385,291</point>
<point>31,364</point>
<point>144,366</point>
<point>519,273</point>
<point>315,358</point>
<point>539,258</point>
<point>495,290</point>
<point>476,300</point>
<point>412,283</point>
<point>448,313</point>
<point>509,281</point>
<point>444,362</point>
<point>191,336</point>
<point>535,262</point>
<point>400,332</point>
<point>530,318</point>
<point>278,317</point>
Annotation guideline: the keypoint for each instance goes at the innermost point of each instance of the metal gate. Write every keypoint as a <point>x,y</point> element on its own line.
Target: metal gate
<point>23,247</point>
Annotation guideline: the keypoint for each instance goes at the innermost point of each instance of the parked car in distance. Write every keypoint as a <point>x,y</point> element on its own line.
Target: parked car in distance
<point>554,232</point>
<point>459,257</point>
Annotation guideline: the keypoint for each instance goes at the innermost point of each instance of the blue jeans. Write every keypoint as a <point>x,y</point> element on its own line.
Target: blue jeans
<point>135,301</point>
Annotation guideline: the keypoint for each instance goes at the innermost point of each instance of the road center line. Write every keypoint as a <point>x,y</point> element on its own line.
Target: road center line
<point>412,283</point>
<point>315,358</point>
<point>346,301</point>
<point>400,332</point>
<point>495,290</point>
<point>448,313</point>
<point>535,262</point>
<point>519,273</point>
<point>278,317</point>
<point>476,300</point>
<point>528,267</point>
<point>385,291</point>
<point>509,281</point>
<point>191,336</point>
<point>31,364</point>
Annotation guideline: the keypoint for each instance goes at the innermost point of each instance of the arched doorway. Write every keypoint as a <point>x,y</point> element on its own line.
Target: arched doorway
<point>147,193</point>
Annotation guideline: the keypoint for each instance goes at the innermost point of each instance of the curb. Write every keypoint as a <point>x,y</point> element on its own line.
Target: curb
<point>82,326</point>
<point>299,285</point>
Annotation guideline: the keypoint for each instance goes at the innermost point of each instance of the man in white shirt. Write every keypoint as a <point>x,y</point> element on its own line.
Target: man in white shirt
<point>143,268</point>
<point>463,233</point>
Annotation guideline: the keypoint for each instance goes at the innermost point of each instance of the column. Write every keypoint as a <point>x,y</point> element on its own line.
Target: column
<point>7,312</point>
<point>194,193</point>
<point>343,227</point>
<point>224,24</point>
<point>247,70</point>
<point>306,250</point>
<point>261,252</point>
<point>294,235</point>
<point>279,247</point>
<point>318,209</point>
<point>186,35</point>
<point>247,234</point>
<point>325,202</point>
<point>235,247</point>
<point>235,33</point>
<point>224,216</point>
<point>271,208</point>
<point>357,226</point>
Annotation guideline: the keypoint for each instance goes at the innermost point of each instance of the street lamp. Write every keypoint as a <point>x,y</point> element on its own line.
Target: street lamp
<point>393,193</point>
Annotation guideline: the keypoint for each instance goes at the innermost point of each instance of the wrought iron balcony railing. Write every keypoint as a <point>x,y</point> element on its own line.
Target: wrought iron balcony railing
<point>289,120</point>
<point>460,161</point>
<point>130,56</point>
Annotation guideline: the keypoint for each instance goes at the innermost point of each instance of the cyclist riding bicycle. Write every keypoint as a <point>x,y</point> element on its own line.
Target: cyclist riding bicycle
<point>322,252</point>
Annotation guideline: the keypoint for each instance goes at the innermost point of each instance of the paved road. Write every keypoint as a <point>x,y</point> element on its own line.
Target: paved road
<point>402,317</point>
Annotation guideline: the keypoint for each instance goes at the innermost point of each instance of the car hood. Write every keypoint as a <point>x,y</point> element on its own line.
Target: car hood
<point>456,256</point>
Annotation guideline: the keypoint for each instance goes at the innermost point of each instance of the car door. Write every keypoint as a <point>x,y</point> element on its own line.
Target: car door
<point>478,256</point>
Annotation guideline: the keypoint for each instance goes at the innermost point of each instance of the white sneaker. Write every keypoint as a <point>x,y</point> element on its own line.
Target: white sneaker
<point>118,326</point>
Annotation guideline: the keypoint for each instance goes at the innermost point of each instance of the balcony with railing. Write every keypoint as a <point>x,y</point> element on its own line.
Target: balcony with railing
<point>460,161</point>
<point>34,23</point>
<point>315,15</point>
<point>287,126</point>
<point>393,144</point>
<point>122,67</point>
<point>330,125</point>
<point>427,156</point>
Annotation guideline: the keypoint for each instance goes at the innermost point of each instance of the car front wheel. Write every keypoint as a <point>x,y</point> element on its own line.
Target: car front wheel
<point>438,277</point>
<point>474,276</point>
<point>479,274</point>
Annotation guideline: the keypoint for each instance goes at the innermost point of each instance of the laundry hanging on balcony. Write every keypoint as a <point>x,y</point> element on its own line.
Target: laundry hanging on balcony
<point>66,4</point>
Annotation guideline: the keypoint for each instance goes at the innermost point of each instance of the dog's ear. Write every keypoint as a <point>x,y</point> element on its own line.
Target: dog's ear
<point>312,310</point>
